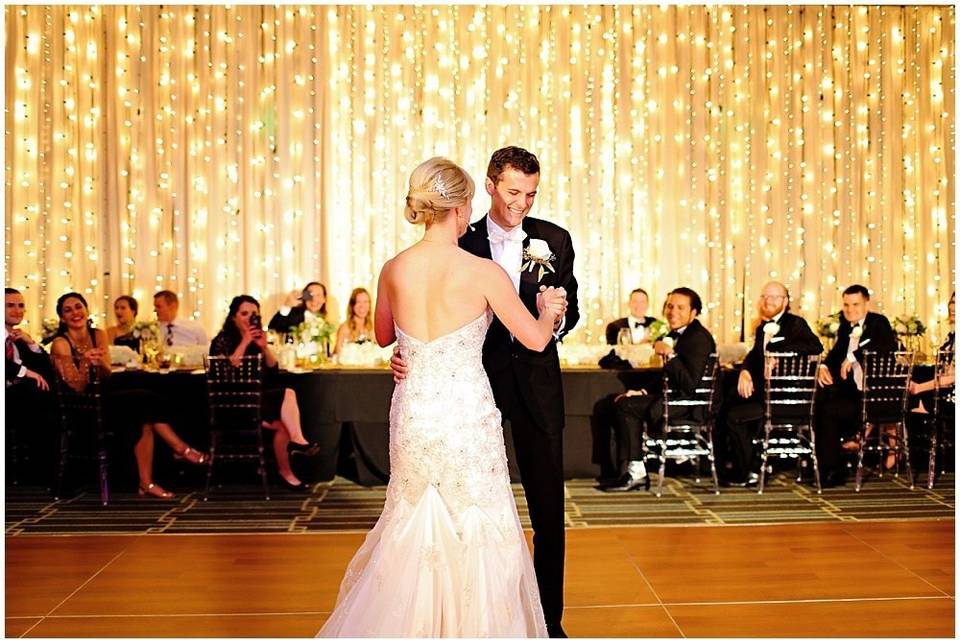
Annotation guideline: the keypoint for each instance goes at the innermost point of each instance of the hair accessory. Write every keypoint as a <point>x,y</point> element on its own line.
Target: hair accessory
<point>439,186</point>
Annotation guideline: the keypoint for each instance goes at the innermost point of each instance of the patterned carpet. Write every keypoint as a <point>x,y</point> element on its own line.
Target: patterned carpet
<point>343,506</point>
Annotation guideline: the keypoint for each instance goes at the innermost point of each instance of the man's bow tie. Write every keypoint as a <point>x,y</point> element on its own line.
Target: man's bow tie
<point>635,324</point>
<point>498,236</point>
<point>674,334</point>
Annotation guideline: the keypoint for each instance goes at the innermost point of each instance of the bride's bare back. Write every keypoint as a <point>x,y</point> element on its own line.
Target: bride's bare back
<point>433,289</point>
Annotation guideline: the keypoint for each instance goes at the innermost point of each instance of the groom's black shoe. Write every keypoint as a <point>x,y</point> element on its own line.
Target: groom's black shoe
<point>556,631</point>
<point>629,483</point>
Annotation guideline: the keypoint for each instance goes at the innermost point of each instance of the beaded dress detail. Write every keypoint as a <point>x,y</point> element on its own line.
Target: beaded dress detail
<point>447,558</point>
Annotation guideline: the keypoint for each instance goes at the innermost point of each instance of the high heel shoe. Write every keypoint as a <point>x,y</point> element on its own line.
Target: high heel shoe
<point>191,455</point>
<point>155,491</point>
<point>309,449</point>
<point>295,487</point>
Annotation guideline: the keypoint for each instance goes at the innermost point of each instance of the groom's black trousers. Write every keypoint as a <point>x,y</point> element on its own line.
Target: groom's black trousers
<point>539,454</point>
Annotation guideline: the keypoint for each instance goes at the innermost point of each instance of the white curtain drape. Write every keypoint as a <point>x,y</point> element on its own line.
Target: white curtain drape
<point>249,149</point>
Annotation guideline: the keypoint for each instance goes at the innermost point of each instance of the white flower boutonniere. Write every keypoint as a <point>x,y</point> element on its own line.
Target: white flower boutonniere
<point>667,340</point>
<point>538,253</point>
<point>856,332</point>
<point>771,329</point>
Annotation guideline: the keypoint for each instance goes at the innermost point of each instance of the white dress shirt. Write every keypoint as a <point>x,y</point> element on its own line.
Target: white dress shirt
<point>637,330</point>
<point>16,354</point>
<point>506,249</point>
<point>182,332</point>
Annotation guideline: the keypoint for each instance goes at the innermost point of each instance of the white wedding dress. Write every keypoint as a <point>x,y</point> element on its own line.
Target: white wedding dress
<point>447,557</point>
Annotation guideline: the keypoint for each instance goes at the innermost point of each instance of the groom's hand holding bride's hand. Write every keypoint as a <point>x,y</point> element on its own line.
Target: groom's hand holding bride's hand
<point>555,295</point>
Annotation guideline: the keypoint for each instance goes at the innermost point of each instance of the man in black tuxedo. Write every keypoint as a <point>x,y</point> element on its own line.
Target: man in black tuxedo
<point>30,407</point>
<point>527,386</point>
<point>637,321</point>
<point>299,306</point>
<point>841,375</point>
<point>780,331</point>
<point>686,351</point>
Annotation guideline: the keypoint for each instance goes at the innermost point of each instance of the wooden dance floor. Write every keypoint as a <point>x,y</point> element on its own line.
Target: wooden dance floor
<point>869,579</point>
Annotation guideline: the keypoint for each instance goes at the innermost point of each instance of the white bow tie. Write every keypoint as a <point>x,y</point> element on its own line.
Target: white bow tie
<point>499,236</point>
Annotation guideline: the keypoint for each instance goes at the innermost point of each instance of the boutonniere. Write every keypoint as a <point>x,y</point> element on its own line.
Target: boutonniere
<point>667,340</point>
<point>856,332</point>
<point>771,329</point>
<point>538,253</point>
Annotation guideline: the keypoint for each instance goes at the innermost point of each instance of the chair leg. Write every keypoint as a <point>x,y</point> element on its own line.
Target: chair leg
<point>61,464</point>
<point>932,456</point>
<point>764,459</point>
<point>663,467</point>
<point>713,467</point>
<point>104,482</point>
<point>213,457</point>
<point>904,443</point>
<point>263,465</point>
<point>863,446</point>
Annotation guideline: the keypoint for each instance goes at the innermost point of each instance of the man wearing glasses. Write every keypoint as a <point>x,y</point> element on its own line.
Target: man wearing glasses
<point>778,331</point>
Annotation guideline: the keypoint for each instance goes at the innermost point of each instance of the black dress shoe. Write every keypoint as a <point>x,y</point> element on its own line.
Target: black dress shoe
<point>629,483</point>
<point>297,488</point>
<point>607,481</point>
<point>556,631</point>
<point>831,479</point>
<point>752,479</point>
<point>310,449</point>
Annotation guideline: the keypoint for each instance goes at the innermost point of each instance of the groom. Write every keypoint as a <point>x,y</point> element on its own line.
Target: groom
<point>526,384</point>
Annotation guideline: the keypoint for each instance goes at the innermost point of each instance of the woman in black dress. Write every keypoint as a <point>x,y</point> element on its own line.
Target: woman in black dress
<point>125,309</point>
<point>135,414</point>
<point>242,335</point>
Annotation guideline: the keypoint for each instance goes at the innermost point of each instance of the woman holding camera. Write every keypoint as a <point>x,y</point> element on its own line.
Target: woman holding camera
<point>242,335</point>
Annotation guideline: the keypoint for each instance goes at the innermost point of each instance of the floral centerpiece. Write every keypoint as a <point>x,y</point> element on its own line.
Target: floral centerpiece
<point>910,328</point>
<point>48,329</point>
<point>909,325</point>
<point>828,326</point>
<point>657,330</point>
<point>313,339</point>
<point>146,331</point>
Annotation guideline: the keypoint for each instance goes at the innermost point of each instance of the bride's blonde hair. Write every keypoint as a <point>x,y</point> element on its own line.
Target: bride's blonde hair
<point>436,186</point>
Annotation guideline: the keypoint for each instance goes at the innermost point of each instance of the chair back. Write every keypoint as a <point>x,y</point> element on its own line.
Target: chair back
<point>80,409</point>
<point>944,400</point>
<point>234,391</point>
<point>790,383</point>
<point>704,397</point>
<point>886,376</point>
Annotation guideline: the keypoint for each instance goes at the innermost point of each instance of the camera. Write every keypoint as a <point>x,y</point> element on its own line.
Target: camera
<point>255,321</point>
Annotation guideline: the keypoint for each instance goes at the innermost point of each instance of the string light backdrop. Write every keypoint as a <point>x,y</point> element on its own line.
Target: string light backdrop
<point>225,150</point>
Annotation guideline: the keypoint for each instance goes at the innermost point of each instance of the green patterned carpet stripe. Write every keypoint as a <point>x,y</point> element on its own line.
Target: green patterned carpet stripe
<point>340,505</point>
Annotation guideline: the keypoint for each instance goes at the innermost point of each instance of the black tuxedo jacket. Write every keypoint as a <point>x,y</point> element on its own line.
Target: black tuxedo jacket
<point>36,362</point>
<point>877,335</point>
<point>509,364</point>
<point>283,323</point>
<point>797,337</point>
<point>692,348</point>
<point>613,329</point>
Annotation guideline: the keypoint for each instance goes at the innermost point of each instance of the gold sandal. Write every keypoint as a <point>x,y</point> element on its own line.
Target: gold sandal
<point>191,455</point>
<point>155,491</point>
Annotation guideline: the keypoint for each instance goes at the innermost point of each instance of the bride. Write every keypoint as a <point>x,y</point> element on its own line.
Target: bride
<point>447,556</point>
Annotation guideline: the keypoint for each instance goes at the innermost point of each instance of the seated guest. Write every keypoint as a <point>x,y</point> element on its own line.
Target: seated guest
<point>136,414</point>
<point>637,321</point>
<point>26,361</point>
<point>779,331</point>
<point>300,306</point>
<point>359,324</point>
<point>125,309</point>
<point>841,379</point>
<point>686,353</point>
<point>242,335</point>
<point>174,331</point>
<point>923,390</point>
<point>30,411</point>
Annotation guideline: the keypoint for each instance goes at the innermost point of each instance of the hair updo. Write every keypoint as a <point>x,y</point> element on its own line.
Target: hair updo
<point>436,186</point>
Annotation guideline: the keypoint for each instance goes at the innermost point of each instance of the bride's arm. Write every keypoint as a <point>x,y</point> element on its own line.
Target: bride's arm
<point>533,333</point>
<point>383,317</point>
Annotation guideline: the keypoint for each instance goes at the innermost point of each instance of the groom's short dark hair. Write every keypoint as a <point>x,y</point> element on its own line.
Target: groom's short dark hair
<point>519,159</point>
